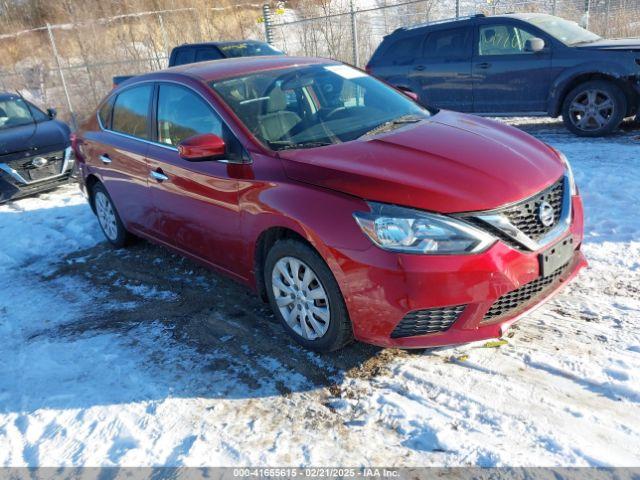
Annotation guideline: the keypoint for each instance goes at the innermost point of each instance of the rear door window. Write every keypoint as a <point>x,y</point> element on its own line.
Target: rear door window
<point>404,49</point>
<point>204,54</point>
<point>452,44</point>
<point>183,56</point>
<point>131,111</point>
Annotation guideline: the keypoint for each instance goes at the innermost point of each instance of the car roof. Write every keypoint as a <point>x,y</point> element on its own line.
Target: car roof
<point>235,67</point>
<point>217,44</point>
<point>463,21</point>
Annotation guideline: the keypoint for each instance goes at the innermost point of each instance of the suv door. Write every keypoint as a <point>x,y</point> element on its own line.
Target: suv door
<point>196,201</point>
<point>118,153</point>
<point>506,77</point>
<point>442,71</point>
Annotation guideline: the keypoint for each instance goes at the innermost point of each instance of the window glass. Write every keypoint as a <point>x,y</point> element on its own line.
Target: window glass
<point>568,32</point>
<point>502,40</point>
<point>130,111</point>
<point>182,56</point>
<point>183,114</point>
<point>14,112</point>
<point>248,49</point>
<point>205,54</point>
<point>405,47</point>
<point>451,44</point>
<point>38,115</point>
<point>105,114</point>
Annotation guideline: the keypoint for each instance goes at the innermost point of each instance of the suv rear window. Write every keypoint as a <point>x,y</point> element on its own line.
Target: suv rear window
<point>131,110</point>
<point>183,56</point>
<point>451,44</point>
<point>404,47</point>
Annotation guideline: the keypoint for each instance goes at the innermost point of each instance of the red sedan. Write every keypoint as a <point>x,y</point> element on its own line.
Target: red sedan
<point>357,213</point>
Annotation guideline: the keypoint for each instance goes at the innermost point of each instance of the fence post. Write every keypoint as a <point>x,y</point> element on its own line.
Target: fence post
<point>586,14</point>
<point>457,9</point>
<point>64,83</point>
<point>553,7</point>
<point>268,23</point>
<point>165,42</point>
<point>354,34</point>
<point>606,18</point>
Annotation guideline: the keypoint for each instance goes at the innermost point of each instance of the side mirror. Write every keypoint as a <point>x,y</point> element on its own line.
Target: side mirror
<point>534,45</point>
<point>202,147</point>
<point>412,95</point>
<point>52,113</point>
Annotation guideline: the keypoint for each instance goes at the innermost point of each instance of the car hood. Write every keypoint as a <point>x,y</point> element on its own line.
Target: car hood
<point>627,44</point>
<point>34,137</point>
<point>449,163</point>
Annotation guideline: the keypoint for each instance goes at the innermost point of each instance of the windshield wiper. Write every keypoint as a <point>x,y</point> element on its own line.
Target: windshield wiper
<point>393,124</point>
<point>286,145</point>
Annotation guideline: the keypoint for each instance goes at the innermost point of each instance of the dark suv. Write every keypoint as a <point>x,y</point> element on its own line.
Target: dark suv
<point>516,64</point>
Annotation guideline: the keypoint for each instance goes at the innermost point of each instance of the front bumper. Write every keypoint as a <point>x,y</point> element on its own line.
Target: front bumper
<point>381,288</point>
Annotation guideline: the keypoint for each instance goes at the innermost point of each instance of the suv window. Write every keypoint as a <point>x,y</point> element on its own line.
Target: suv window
<point>183,114</point>
<point>105,113</point>
<point>452,44</point>
<point>183,56</point>
<point>404,47</point>
<point>205,54</point>
<point>130,111</point>
<point>502,40</point>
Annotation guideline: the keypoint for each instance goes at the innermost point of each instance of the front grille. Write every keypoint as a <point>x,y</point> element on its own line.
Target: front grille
<point>524,215</point>
<point>422,322</point>
<point>520,297</point>
<point>25,168</point>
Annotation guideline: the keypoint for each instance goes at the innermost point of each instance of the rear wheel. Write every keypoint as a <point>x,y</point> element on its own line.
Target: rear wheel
<point>108,217</point>
<point>595,108</point>
<point>306,298</point>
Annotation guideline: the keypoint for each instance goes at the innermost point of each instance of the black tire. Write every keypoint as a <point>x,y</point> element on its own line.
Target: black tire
<point>588,125</point>
<point>118,237</point>
<point>339,331</point>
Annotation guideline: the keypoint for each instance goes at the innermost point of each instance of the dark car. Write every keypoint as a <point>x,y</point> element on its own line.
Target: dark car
<point>202,52</point>
<point>516,64</point>
<point>35,152</point>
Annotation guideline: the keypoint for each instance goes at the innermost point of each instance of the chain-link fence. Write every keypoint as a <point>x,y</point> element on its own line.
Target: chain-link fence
<point>347,31</point>
<point>70,66</point>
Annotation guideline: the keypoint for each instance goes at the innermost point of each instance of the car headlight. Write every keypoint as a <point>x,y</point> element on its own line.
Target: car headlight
<point>405,230</point>
<point>572,181</point>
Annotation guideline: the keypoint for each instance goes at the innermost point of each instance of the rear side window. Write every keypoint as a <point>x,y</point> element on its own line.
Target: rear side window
<point>105,113</point>
<point>131,110</point>
<point>406,47</point>
<point>183,56</point>
<point>453,44</point>
<point>182,114</point>
<point>205,54</point>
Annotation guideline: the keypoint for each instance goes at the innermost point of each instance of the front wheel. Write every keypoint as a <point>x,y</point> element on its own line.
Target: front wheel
<point>594,109</point>
<point>305,296</point>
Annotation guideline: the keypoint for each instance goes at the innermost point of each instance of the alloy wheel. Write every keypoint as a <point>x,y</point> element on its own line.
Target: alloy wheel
<point>301,298</point>
<point>591,110</point>
<point>106,216</point>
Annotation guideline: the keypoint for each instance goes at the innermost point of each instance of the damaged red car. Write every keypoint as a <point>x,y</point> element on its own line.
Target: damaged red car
<point>356,212</point>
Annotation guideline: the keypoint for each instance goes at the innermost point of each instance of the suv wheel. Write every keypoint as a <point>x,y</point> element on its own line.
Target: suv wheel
<point>594,108</point>
<point>306,298</point>
<point>108,217</point>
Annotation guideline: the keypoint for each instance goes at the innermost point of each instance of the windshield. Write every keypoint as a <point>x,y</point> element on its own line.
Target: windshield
<point>567,32</point>
<point>311,106</point>
<point>248,50</point>
<point>15,112</point>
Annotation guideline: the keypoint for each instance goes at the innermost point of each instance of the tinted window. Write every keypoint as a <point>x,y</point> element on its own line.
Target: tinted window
<point>105,114</point>
<point>450,44</point>
<point>205,54</point>
<point>252,49</point>
<point>182,114</point>
<point>182,56</point>
<point>502,40</point>
<point>405,47</point>
<point>130,111</point>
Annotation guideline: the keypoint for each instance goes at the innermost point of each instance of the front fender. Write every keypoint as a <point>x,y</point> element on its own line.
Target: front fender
<point>559,87</point>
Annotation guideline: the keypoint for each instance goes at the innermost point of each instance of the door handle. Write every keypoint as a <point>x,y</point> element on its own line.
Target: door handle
<point>484,65</point>
<point>419,67</point>
<point>159,175</point>
<point>105,158</point>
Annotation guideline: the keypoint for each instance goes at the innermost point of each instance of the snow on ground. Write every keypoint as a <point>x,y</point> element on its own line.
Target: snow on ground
<point>140,357</point>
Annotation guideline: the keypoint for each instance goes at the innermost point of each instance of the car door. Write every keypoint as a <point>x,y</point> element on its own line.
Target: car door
<point>442,71</point>
<point>506,77</point>
<point>196,201</point>
<point>118,153</point>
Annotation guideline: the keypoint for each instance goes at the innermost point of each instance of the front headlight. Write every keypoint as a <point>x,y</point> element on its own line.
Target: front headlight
<point>405,230</point>
<point>572,182</point>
